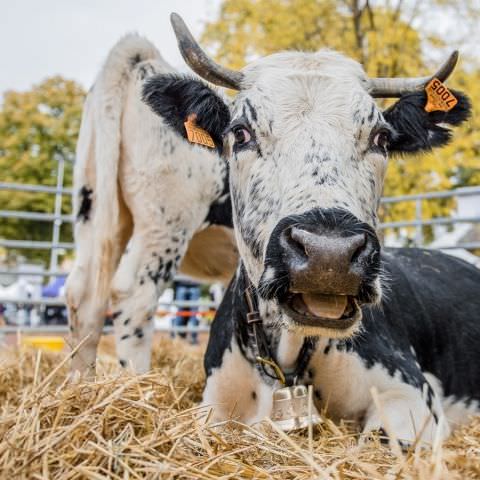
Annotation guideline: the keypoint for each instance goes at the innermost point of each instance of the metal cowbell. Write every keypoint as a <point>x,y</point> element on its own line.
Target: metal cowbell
<point>291,408</point>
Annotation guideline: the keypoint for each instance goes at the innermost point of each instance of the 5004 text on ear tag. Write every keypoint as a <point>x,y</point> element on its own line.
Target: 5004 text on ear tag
<point>439,97</point>
<point>198,135</point>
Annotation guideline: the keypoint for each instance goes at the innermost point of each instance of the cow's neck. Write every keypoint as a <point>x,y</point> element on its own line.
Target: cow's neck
<point>288,349</point>
<point>285,346</point>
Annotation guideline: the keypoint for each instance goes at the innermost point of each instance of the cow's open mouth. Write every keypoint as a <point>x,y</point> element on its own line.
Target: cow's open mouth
<point>339,312</point>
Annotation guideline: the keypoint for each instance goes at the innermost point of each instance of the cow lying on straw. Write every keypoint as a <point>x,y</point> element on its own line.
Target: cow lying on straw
<point>137,183</point>
<point>388,336</point>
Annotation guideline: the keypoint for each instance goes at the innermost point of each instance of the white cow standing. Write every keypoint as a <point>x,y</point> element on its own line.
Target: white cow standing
<point>136,182</point>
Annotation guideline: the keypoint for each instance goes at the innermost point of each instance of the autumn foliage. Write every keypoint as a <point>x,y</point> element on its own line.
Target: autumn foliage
<point>390,38</point>
<point>37,129</point>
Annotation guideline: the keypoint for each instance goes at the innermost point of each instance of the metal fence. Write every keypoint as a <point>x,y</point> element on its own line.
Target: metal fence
<point>419,222</point>
<point>56,218</point>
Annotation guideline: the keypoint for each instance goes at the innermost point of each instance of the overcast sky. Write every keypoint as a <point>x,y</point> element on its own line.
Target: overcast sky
<point>41,38</point>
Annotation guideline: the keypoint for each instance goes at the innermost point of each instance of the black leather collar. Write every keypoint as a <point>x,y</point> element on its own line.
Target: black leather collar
<point>264,355</point>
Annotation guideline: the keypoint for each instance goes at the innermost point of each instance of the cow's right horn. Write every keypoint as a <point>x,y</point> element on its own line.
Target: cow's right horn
<point>199,61</point>
<point>396,87</point>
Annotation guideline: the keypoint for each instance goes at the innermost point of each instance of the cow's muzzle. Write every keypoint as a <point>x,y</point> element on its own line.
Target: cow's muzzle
<point>323,266</point>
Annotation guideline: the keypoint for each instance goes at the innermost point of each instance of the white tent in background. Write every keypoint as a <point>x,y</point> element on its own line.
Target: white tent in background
<point>467,206</point>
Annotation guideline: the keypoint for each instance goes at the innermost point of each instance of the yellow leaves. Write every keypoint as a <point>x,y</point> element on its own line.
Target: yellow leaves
<point>248,28</point>
<point>36,127</point>
<point>385,40</point>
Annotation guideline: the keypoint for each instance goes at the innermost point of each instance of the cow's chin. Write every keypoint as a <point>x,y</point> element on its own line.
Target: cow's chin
<point>341,320</point>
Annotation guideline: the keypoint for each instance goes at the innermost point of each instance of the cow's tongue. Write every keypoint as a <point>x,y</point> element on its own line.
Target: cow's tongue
<point>325,306</point>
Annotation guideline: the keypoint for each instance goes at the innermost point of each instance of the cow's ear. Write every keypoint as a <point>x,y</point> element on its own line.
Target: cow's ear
<point>176,97</point>
<point>416,129</point>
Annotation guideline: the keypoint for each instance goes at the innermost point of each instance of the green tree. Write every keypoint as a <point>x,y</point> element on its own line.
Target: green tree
<point>385,36</point>
<point>37,128</point>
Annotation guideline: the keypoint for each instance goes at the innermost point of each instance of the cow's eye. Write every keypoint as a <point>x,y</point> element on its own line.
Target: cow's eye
<point>241,134</point>
<point>381,139</point>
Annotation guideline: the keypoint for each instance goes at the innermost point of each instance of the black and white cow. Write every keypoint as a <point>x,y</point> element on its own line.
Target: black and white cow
<point>135,182</point>
<point>307,148</point>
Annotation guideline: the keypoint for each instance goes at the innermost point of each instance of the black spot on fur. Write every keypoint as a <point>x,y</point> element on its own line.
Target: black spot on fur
<point>254,395</point>
<point>135,59</point>
<point>220,212</point>
<point>168,267</point>
<point>145,70</point>
<point>122,362</point>
<point>85,195</point>
<point>124,337</point>
<point>138,332</point>
<point>158,273</point>
<point>251,109</point>
<point>382,436</point>
<point>116,314</point>
<point>126,321</point>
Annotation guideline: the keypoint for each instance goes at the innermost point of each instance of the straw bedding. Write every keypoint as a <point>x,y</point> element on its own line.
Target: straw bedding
<point>125,426</point>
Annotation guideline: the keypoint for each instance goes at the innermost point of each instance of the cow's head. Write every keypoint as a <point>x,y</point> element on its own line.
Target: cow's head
<point>307,148</point>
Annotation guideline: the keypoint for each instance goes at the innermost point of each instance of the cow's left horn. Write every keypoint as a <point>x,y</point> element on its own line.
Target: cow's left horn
<point>199,61</point>
<point>396,87</point>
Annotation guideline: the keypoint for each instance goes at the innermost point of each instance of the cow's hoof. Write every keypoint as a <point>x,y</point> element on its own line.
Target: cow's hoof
<point>382,436</point>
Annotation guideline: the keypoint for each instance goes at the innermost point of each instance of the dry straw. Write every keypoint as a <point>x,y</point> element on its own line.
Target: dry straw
<point>129,427</point>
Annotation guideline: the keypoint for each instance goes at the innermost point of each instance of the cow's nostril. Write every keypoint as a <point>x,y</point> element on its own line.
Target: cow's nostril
<point>293,242</point>
<point>299,241</point>
<point>358,245</point>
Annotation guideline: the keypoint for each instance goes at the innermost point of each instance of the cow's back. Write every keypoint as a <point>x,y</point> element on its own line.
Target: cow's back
<point>433,305</point>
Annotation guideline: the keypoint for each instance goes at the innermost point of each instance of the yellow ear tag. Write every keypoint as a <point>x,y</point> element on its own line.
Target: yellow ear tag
<point>439,97</point>
<point>196,134</point>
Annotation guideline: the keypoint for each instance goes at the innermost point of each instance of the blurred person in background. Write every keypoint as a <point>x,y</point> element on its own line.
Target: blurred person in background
<point>55,314</point>
<point>186,289</point>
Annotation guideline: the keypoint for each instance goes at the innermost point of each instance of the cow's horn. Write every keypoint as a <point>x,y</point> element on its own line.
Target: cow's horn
<point>396,87</point>
<point>199,61</point>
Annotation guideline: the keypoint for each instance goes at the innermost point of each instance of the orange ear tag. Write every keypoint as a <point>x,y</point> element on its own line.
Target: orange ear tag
<point>196,134</point>
<point>439,97</point>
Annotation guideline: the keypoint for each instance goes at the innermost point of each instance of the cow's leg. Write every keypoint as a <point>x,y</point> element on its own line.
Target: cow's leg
<point>388,391</point>
<point>234,389</point>
<point>83,313</point>
<point>151,261</point>
<point>409,414</point>
<point>86,317</point>
<point>86,305</point>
